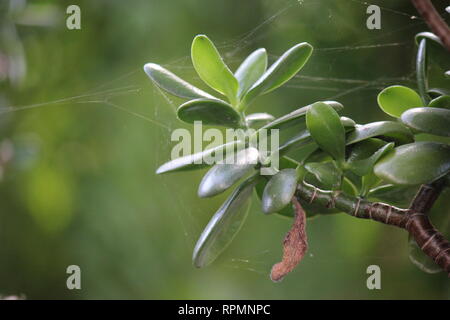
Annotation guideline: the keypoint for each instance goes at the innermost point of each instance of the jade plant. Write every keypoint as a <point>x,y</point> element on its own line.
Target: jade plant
<point>328,164</point>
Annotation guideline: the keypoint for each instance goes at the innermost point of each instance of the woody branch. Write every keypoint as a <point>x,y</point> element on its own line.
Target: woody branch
<point>414,219</point>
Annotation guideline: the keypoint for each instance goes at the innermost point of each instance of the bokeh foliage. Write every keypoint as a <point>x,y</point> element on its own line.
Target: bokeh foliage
<point>81,189</point>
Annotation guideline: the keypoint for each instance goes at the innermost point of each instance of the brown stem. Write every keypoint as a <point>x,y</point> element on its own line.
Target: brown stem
<point>434,20</point>
<point>430,240</point>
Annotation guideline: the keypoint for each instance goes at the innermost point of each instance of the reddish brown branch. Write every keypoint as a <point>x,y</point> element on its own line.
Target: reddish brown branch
<point>434,20</point>
<point>430,240</point>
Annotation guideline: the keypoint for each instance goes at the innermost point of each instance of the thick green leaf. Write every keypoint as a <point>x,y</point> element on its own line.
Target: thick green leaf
<point>364,149</point>
<point>297,116</point>
<point>395,100</point>
<point>328,174</point>
<point>440,102</point>
<point>211,68</point>
<point>429,120</point>
<point>223,175</point>
<point>428,36</point>
<point>224,225</point>
<point>281,71</point>
<point>393,194</point>
<point>258,119</point>
<point>210,112</point>
<point>300,139</point>
<point>279,191</point>
<point>251,70</point>
<point>435,49</point>
<point>197,160</point>
<point>365,166</point>
<point>171,83</point>
<point>326,128</point>
<point>437,92</point>
<point>421,71</point>
<point>387,130</point>
<point>348,123</point>
<point>414,163</point>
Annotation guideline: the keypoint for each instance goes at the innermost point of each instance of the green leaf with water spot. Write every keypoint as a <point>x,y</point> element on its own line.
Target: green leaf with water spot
<point>223,175</point>
<point>212,69</point>
<point>395,100</point>
<point>168,81</point>
<point>326,129</point>
<point>210,112</point>
<point>414,163</point>
<point>281,71</point>
<point>429,120</point>
<point>279,191</point>
<point>251,70</point>
<point>386,130</point>
<point>224,225</point>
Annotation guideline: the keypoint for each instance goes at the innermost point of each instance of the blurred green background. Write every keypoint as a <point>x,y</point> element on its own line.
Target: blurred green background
<point>79,149</point>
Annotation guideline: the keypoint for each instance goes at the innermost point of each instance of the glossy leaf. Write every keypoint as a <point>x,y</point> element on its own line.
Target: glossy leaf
<point>300,139</point>
<point>258,119</point>
<point>429,120</point>
<point>428,36</point>
<point>437,92</point>
<point>387,130</point>
<point>281,71</point>
<point>297,116</point>
<point>197,160</point>
<point>224,225</point>
<point>395,100</point>
<point>365,166</point>
<point>435,50</point>
<point>211,68</point>
<point>348,123</point>
<point>171,83</point>
<point>326,128</point>
<point>415,163</point>
<point>251,70</point>
<point>421,71</point>
<point>393,194</point>
<point>222,176</point>
<point>328,174</point>
<point>279,191</point>
<point>210,112</point>
<point>440,102</point>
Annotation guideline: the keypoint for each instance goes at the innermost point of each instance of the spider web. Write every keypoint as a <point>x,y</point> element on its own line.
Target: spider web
<point>324,88</point>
